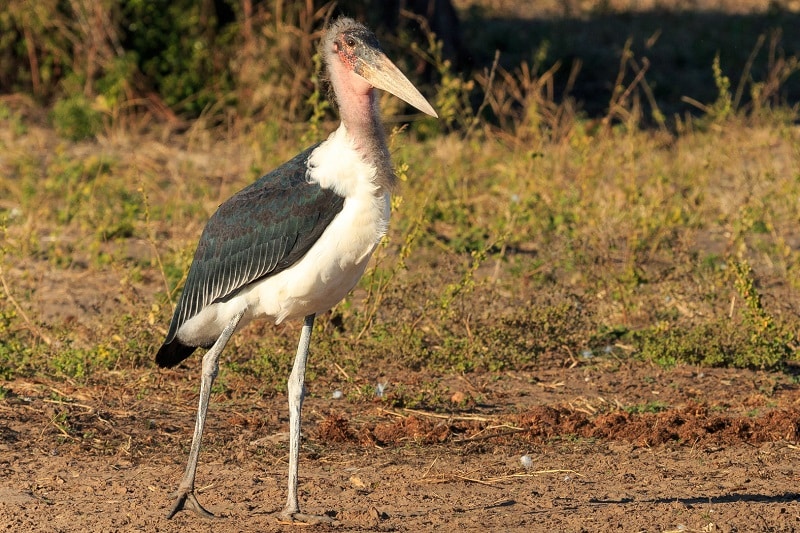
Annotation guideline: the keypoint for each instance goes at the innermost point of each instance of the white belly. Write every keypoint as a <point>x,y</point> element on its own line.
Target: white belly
<point>333,265</point>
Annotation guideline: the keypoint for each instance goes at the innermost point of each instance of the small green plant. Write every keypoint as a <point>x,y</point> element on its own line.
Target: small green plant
<point>754,340</point>
<point>457,292</point>
<point>364,393</point>
<point>770,341</point>
<point>75,119</point>
<point>452,101</point>
<point>722,108</point>
<point>13,120</point>
<point>379,280</point>
<point>317,102</point>
<point>62,423</point>
<point>18,345</point>
<point>654,406</point>
<point>270,365</point>
<point>71,362</point>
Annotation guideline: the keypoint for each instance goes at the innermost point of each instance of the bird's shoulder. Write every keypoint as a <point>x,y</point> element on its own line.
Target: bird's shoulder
<point>284,196</point>
<point>285,183</point>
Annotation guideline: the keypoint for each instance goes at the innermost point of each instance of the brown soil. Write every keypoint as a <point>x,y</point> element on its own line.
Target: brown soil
<point>719,458</point>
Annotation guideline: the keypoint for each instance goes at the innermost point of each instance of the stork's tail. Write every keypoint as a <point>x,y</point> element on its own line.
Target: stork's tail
<point>173,352</point>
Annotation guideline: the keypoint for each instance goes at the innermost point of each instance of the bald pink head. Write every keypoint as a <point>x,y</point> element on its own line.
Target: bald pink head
<point>356,64</point>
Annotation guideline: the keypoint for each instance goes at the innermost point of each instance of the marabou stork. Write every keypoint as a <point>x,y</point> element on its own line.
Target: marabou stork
<point>294,243</point>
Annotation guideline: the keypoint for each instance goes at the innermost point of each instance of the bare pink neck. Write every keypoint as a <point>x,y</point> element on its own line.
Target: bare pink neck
<point>360,114</point>
<point>358,108</point>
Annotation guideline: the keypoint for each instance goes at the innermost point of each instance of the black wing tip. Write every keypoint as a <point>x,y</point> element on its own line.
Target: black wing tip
<point>173,352</point>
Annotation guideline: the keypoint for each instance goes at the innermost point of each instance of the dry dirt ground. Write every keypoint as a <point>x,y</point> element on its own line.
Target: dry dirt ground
<point>705,450</point>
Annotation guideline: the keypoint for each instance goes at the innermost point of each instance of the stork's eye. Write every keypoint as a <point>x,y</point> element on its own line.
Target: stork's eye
<point>351,42</point>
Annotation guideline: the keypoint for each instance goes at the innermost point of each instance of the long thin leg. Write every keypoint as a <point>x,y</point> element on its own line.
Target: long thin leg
<point>185,498</point>
<point>296,379</point>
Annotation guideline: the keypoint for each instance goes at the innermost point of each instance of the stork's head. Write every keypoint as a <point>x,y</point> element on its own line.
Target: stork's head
<point>356,64</point>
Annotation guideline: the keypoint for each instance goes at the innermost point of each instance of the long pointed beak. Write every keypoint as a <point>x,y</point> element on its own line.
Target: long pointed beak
<point>380,72</point>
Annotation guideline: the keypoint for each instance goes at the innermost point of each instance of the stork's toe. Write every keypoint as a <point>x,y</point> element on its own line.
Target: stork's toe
<point>186,500</point>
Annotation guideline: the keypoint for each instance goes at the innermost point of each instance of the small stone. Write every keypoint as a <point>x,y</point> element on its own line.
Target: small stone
<point>358,484</point>
<point>458,397</point>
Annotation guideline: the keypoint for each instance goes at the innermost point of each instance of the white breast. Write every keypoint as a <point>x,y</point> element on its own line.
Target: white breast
<point>332,266</point>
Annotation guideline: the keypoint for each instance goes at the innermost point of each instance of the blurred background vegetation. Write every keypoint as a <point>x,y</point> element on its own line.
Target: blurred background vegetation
<point>106,61</point>
<point>96,62</point>
<point>607,178</point>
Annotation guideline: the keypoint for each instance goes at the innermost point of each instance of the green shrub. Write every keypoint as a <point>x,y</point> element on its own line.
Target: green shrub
<point>74,118</point>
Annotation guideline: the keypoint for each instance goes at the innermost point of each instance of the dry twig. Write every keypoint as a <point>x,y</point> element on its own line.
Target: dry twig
<point>39,333</point>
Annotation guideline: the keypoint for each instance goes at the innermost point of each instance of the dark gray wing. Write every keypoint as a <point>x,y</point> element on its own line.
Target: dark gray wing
<point>260,231</point>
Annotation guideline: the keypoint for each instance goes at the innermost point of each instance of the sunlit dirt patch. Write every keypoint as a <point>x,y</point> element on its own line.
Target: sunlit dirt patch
<point>692,425</point>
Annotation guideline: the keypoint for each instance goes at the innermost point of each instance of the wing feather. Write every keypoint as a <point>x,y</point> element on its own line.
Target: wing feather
<point>260,231</point>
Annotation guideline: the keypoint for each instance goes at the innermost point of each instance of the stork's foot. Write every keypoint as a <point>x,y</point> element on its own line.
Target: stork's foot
<point>186,500</point>
<point>305,519</point>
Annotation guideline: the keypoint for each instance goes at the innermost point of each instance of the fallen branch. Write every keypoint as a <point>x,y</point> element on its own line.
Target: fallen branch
<point>494,480</point>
